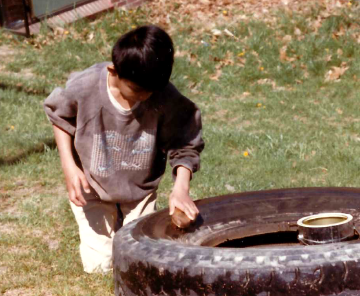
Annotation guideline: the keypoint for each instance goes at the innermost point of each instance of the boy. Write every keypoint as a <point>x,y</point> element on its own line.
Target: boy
<point>114,125</point>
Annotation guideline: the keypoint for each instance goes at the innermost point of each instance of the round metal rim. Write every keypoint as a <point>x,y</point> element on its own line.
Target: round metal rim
<point>348,219</point>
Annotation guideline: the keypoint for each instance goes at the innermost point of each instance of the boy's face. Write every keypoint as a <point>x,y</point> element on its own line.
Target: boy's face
<point>130,91</point>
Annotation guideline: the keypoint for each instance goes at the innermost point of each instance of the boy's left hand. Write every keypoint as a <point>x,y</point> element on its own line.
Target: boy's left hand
<point>180,198</point>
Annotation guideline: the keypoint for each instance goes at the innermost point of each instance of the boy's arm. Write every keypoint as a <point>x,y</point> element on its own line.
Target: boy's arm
<point>73,175</point>
<point>179,197</point>
<point>180,136</point>
<point>61,108</point>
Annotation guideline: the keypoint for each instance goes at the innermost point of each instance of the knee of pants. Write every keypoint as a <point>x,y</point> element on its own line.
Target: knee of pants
<point>132,211</point>
<point>96,261</point>
<point>96,223</point>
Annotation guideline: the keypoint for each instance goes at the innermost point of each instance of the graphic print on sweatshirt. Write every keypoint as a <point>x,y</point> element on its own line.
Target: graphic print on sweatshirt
<point>113,152</point>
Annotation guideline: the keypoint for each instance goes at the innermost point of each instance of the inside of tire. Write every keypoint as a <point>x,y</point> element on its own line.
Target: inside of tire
<point>263,240</point>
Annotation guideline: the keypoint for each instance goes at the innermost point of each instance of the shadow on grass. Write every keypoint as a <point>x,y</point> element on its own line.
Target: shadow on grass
<point>39,148</point>
<point>22,88</point>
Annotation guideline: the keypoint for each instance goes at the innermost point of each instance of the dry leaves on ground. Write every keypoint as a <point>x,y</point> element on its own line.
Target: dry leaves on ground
<point>336,72</point>
<point>207,14</point>
<point>283,55</point>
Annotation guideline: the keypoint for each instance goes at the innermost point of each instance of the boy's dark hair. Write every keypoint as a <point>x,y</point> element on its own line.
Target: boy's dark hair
<point>144,56</point>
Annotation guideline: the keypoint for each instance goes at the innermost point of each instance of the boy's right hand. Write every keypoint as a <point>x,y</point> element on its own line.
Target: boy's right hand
<point>75,178</point>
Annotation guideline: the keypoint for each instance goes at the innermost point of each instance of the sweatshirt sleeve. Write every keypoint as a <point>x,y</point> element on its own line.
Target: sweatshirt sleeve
<point>61,109</point>
<point>182,131</point>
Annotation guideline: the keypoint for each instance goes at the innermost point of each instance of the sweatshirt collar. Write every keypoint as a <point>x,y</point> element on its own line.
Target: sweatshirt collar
<point>104,97</point>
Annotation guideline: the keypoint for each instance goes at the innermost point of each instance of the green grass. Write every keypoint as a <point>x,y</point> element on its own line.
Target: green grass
<point>298,128</point>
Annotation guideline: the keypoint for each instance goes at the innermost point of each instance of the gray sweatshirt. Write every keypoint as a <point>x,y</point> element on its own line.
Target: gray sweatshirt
<point>124,156</point>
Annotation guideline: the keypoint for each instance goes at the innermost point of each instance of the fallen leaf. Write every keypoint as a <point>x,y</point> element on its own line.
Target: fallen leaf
<point>335,73</point>
<point>341,32</point>
<point>287,38</point>
<point>283,55</point>
<point>217,75</point>
<point>230,188</point>
<point>216,32</point>
<point>267,81</point>
<point>180,53</point>
<point>316,25</point>
<point>241,62</point>
<point>254,53</point>
<point>59,31</point>
<point>91,36</point>
<point>297,32</point>
<point>193,58</point>
<point>214,38</point>
<point>227,32</point>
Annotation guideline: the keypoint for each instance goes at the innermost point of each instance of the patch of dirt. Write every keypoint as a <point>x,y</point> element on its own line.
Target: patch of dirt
<point>20,194</point>
<point>355,137</point>
<point>23,190</point>
<point>3,270</point>
<point>25,73</point>
<point>219,115</point>
<point>7,228</point>
<point>53,244</point>
<point>7,51</point>
<point>49,240</point>
<point>18,292</point>
<point>7,54</point>
<point>227,12</point>
<point>25,292</point>
<point>9,198</point>
<point>15,250</point>
<point>10,209</point>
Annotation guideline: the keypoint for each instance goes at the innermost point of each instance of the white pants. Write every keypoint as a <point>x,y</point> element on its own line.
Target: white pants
<point>98,222</point>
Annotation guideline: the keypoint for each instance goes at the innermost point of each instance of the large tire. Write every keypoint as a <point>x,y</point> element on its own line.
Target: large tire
<point>151,257</point>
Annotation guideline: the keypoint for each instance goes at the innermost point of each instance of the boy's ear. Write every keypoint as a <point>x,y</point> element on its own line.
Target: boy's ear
<point>112,70</point>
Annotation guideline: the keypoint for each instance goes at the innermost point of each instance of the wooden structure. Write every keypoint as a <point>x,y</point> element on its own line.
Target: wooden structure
<point>24,16</point>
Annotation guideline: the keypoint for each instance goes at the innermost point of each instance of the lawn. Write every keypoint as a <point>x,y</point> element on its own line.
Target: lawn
<point>277,84</point>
